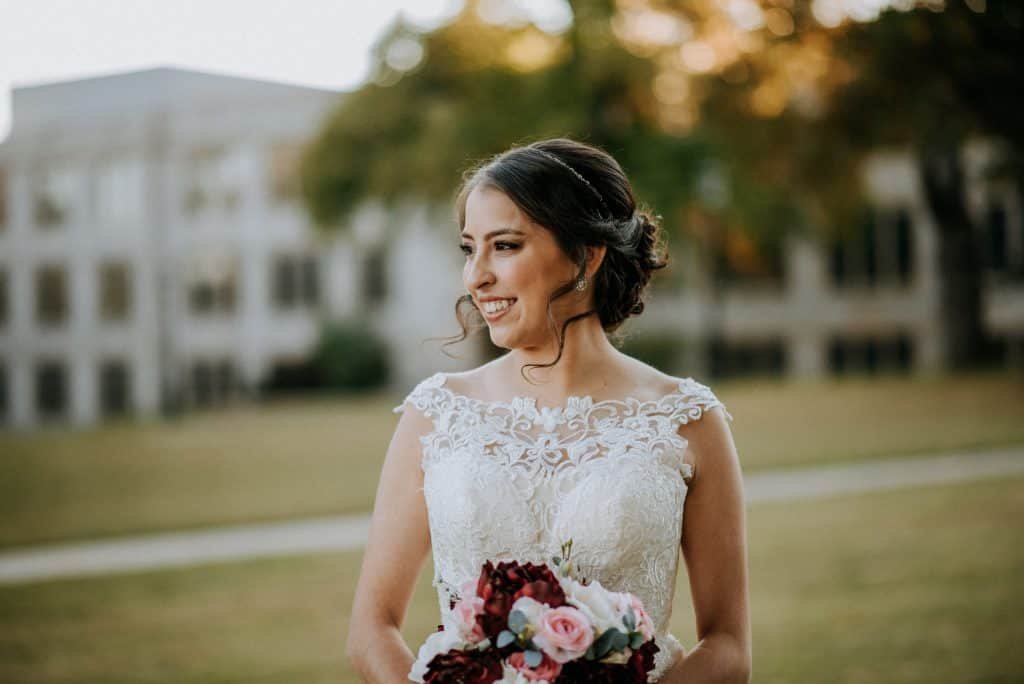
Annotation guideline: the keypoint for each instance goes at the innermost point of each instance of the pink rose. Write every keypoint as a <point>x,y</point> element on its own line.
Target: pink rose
<point>465,611</point>
<point>546,671</point>
<point>464,614</point>
<point>564,633</point>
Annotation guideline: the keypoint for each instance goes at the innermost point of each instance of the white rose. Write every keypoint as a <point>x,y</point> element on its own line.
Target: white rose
<point>597,603</point>
<point>438,642</point>
<point>530,607</point>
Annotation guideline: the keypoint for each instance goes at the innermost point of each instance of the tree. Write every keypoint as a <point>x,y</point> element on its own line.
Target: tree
<point>480,87</point>
<point>803,98</point>
<point>958,79</point>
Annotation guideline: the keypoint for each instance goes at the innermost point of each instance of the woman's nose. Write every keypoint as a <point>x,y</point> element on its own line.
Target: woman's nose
<point>477,273</point>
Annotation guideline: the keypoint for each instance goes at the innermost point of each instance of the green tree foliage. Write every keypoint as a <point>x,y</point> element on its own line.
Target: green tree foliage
<point>350,357</point>
<point>924,79</point>
<point>480,88</point>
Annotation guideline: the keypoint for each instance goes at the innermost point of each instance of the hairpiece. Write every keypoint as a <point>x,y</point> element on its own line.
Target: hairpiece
<point>576,173</point>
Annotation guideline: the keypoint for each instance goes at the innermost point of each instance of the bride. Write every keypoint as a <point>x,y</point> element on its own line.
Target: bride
<point>564,436</point>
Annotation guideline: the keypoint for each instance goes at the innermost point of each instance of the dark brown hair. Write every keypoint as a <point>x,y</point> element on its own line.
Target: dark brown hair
<point>582,196</point>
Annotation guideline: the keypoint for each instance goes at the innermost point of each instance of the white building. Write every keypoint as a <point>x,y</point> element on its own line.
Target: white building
<point>152,249</point>
<point>154,254</point>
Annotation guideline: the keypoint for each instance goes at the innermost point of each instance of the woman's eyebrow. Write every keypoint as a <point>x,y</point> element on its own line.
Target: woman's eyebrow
<point>493,233</point>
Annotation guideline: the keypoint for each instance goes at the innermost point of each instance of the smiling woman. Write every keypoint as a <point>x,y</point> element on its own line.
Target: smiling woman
<point>489,465</point>
<point>569,231</point>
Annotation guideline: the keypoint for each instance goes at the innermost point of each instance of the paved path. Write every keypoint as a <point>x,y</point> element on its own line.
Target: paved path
<point>342,533</point>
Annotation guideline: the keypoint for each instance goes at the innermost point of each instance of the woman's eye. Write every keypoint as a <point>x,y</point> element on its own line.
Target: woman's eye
<point>500,246</point>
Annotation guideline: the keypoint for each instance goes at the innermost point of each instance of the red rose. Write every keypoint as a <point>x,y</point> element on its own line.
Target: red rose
<point>500,586</point>
<point>543,591</point>
<point>592,672</point>
<point>642,660</point>
<point>464,667</point>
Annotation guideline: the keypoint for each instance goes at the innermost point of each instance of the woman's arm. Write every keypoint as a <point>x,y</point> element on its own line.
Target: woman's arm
<point>715,549</point>
<point>396,550</point>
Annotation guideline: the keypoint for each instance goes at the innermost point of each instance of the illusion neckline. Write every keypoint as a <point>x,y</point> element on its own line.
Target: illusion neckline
<point>573,399</point>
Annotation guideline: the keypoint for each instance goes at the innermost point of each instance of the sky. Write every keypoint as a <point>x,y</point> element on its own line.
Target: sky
<point>319,43</point>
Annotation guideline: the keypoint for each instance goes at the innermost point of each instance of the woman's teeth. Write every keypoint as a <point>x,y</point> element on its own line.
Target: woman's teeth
<point>498,305</point>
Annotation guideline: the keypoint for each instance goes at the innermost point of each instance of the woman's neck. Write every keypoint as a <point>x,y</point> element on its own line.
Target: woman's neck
<point>589,364</point>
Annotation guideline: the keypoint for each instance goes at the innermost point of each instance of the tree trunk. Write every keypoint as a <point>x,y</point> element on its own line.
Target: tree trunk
<point>960,277</point>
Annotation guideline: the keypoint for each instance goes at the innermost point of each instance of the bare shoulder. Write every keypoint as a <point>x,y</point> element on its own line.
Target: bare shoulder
<point>708,434</point>
<point>475,382</point>
<point>648,383</point>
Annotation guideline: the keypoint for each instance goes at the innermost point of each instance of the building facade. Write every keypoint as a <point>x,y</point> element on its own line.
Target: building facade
<point>153,251</point>
<point>154,255</point>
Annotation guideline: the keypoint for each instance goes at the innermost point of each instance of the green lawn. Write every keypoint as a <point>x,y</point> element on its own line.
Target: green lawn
<point>916,585</point>
<point>321,457</point>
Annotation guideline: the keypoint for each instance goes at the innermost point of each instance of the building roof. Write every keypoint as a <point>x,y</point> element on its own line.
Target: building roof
<point>142,91</point>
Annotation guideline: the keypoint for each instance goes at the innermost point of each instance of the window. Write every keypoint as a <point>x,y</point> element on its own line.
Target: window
<point>120,191</point>
<point>216,178</point>
<point>870,354</point>
<point>3,198</point>
<point>114,388</point>
<point>5,402</point>
<point>375,279</point>
<point>904,246</point>
<point>115,291</point>
<point>284,171</point>
<point>743,358</point>
<point>295,281</point>
<point>53,199</point>
<point>211,283</point>
<point>4,298</point>
<point>213,381</point>
<point>877,250</point>
<point>51,295</point>
<point>51,390</point>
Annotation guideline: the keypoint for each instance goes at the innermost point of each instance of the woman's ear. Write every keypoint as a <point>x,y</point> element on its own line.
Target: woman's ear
<point>595,256</point>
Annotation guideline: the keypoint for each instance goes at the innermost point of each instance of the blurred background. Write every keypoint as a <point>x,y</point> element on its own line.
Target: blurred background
<point>228,249</point>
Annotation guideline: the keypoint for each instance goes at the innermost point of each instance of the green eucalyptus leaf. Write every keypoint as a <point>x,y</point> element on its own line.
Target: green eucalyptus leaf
<point>619,640</point>
<point>603,645</point>
<point>532,658</point>
<point>637,640</point>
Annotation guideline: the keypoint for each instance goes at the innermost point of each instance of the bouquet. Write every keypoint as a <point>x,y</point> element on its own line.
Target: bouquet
<point>529,624</point>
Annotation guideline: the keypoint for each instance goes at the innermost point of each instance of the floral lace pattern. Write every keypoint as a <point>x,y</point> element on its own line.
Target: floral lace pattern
<point>511,480</point>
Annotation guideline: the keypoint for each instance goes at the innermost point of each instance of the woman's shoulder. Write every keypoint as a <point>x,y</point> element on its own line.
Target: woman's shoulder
<point>653,383</point>
<point>424,395</point>
<point>685,395</point>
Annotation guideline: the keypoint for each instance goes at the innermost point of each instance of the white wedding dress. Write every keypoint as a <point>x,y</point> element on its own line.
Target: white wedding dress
<point>510,480</point>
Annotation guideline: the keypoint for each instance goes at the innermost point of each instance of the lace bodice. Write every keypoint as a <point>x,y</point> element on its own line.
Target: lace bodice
<point>511,480</point>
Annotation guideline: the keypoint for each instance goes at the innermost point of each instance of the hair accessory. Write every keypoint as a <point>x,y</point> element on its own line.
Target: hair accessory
<point>576,173</point>
<point>581,284</point>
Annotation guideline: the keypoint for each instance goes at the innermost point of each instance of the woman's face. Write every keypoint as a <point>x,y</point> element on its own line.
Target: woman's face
<point>517,264</point>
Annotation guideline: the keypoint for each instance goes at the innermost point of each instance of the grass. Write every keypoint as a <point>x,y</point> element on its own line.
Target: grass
<point>908,586</point>
<point>322,457</point>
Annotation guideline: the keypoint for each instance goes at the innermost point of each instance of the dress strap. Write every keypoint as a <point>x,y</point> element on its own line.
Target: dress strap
<point>425,396</point>
<point>692,400</point>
